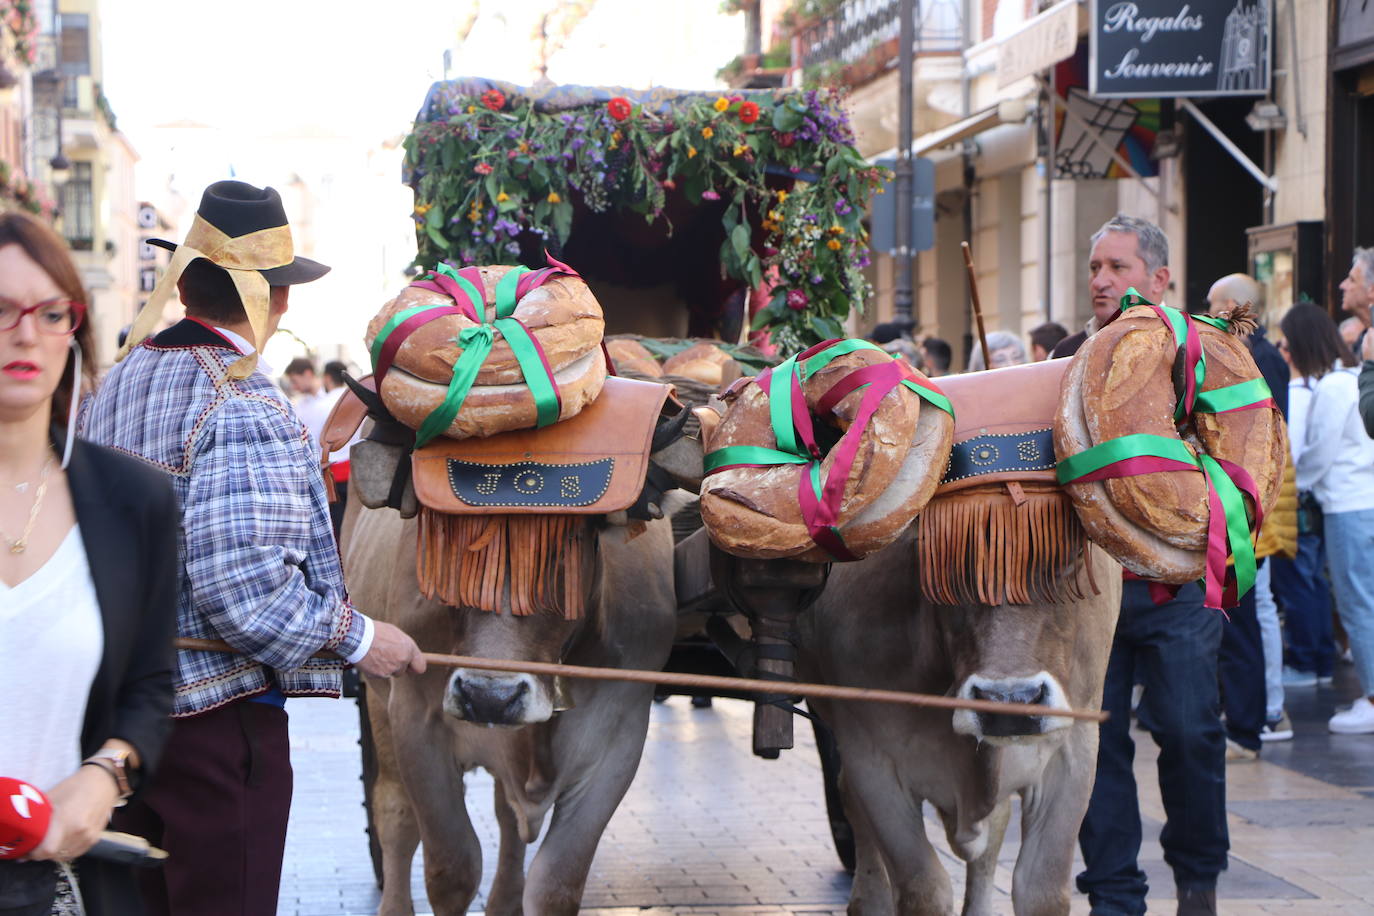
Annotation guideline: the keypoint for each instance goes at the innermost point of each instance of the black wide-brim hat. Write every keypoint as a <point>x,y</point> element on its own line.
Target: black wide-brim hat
<point>255,220</point>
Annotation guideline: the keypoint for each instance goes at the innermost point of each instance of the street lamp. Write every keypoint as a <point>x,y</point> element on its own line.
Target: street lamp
<point>60,168</point>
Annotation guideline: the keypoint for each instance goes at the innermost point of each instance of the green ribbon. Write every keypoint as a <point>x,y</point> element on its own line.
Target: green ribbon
<point>393,323</point>
<point>1233,397</point>
<point>476,342</point>
<point>750,454</point>
<point>1237,523</point>
<point>532,368</point>
<point>1123,448</point>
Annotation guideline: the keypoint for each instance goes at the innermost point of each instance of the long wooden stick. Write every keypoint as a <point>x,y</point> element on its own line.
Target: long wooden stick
<point>977,304</point>
<point>714,682</point>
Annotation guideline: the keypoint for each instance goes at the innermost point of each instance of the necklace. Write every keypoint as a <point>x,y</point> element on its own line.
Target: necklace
<point>18,545</point>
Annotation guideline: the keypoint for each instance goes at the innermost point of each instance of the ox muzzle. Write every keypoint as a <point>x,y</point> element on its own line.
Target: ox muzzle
<point>502,698</point>
<point>1041,689</point>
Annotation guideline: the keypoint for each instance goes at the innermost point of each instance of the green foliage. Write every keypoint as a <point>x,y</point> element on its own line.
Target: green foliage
<point>485,174</point>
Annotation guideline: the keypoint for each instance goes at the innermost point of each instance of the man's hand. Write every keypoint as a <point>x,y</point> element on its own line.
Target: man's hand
<point>392,653</point>
<point>1367,348</point>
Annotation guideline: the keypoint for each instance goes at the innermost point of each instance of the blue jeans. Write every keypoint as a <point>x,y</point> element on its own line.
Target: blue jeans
<point>1350,547</point>
<point>1300,586</point>
<point>1171,649</point>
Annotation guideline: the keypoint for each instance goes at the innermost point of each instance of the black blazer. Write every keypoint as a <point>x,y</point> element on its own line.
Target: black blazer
<point>129,521</point>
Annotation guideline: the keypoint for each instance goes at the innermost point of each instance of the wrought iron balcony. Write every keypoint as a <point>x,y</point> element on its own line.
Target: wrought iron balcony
<point>861,35</point>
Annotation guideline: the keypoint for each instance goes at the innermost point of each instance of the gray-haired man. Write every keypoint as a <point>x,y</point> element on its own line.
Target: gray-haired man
<point>1127,251</point>
<point>1172,649</point>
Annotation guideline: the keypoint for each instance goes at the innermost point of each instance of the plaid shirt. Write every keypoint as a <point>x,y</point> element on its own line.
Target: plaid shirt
<point>258,563</point>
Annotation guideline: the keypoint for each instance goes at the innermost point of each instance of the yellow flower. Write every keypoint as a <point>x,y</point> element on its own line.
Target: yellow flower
<point>837,230</point>
<point>775,215</point>
<point>880,190</point>
<point>722,103</point>
<point>554,198</point>
<point>741,150</point>
<point>471,109</point>
<point>691,151</point>
<point>770,226</point>
<point>617,136</point>
<point>708,132</point>
<point>524,146</point>
<point>614,144</point>
<point>502,197</point>
<point>422,209</point>
<point>782,196</point>
<point>474,215</point>
<point>834,245</point>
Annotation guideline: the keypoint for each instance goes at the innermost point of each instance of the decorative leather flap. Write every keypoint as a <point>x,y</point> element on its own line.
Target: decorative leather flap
<point>1004,421</point>
<point>592,463</point>
<point>348,414</point>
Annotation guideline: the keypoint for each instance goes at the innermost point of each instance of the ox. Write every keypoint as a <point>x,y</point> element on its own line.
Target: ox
<point>571,748</point>
<point>873,628</point>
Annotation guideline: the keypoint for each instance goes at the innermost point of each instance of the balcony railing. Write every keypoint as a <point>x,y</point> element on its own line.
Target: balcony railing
<point>863,34</point>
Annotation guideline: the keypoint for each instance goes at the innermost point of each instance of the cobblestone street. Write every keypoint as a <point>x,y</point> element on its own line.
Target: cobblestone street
<point>707,828</point>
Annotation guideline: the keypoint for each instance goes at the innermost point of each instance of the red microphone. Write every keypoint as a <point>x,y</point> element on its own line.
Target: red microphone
<point>24,816</point>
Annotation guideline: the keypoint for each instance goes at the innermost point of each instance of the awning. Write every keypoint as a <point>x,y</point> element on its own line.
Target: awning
<point>1010,111</point>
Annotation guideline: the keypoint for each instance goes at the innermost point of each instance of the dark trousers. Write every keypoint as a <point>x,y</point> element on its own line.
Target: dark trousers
<point>219,806</point>
<point>1302,590</point>
<point>1172,650</point>
<point>336,508</point>
<point>1241,664</point>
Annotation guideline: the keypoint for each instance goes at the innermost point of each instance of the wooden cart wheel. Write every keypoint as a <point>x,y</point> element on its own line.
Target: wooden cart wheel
<point>369,778</point>
<point>841,832</point>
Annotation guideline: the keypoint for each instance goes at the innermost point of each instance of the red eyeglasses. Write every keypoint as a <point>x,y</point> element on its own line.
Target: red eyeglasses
<point>59,317</point>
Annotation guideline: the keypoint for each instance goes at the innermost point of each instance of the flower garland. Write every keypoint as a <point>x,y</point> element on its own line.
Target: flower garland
<point>19,17</point>
<point>487,168</point>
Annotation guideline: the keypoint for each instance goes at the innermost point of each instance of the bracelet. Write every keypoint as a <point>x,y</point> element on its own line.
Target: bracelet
<point>121,780</point>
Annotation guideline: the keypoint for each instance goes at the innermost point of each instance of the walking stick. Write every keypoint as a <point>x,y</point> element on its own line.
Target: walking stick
<point>713,682</point>
<point>977,305</point>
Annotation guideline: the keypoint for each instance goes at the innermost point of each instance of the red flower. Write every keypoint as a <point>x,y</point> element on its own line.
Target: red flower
<point>494,99</point>
<point>619,108</point>
<point>748,112</point>
<point>482,168</point>
<point>785,140</point>
<point>797,300</point>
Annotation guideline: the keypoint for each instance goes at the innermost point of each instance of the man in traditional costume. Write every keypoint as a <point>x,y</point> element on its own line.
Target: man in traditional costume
<point>1171,648</point>
<point>258,564</point>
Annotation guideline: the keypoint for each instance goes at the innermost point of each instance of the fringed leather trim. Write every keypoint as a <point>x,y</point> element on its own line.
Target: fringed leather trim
<point>530,563</point>
<point>982,546</point>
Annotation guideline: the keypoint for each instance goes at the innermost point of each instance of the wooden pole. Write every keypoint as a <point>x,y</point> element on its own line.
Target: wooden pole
<point>977,304</point>
<point>714,682</point>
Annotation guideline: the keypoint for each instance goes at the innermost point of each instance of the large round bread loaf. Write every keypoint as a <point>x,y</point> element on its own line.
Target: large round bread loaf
<point>704,362</point>
<point>1122,382</point>
<point>562,314</point>
<point>632,356</point>
<point>755,511</point>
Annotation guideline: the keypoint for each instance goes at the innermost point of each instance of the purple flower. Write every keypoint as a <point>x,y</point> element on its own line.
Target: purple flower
<point>578,143</point>
<point>842,207</point>
<point>816,279</point>
<point>513,248</point>
<point>709,195</point>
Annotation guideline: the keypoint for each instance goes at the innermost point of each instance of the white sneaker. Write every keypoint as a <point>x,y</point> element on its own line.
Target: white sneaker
<point>1357,720</point>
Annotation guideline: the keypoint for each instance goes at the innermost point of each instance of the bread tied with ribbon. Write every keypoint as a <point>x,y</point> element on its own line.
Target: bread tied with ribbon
<point>482,350</point>
<point>1171,446</point>
<point>827,456</point>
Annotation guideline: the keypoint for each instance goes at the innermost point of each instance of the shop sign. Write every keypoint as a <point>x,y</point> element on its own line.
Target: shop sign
<point>1173,48</point>
<point>1043,42</point>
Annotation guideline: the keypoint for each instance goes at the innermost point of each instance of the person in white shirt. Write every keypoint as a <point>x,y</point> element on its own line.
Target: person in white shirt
<point>1336,464</point>
<point>312,404</point>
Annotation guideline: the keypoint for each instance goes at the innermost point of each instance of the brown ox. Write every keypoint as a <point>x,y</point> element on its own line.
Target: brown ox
<point>872,628</point>
<point>428,730</point>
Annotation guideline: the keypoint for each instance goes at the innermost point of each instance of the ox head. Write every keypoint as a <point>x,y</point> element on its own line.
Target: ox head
<point>486,697</point>
<point>1048,654</point>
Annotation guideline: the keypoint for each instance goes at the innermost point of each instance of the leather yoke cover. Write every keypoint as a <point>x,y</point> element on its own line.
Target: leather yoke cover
<point>589,464</point>
<point>343,421</point>
<point>1003,424</point>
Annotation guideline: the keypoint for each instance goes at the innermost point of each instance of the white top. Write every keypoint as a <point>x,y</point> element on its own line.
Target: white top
<point>313,409</point>
<point>1299,399</point>
<point>51,641</point>
<point>1337,460</point>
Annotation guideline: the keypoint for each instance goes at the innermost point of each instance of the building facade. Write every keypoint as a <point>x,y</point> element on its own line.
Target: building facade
<point>1030,157</point>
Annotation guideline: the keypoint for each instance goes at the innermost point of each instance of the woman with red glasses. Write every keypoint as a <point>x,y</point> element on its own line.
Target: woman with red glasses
<point>87,588</point>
